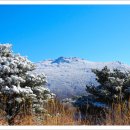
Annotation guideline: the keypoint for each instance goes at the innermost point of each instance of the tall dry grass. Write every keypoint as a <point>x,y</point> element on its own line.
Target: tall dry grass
<point>2,118</point>
<point>58,115</point>
<point>119,114</point>
<point>61,114</point>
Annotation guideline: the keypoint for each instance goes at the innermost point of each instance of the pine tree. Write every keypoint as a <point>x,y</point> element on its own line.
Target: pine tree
<point>114,85</point>
<point>19,87</point>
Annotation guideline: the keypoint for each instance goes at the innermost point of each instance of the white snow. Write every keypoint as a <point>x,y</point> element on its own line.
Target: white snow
<point>68,77</point>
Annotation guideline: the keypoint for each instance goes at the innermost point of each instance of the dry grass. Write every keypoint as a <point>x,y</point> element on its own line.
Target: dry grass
<point>119,114</point>
<point>2,118</point>
<point>60,114</point>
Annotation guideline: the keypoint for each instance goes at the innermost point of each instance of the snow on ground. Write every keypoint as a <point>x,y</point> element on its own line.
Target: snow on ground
<point>68,77</point>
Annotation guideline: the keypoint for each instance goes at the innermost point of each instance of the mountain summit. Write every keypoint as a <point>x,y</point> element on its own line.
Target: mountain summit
<point>66,60</point>
<point>68,77</point>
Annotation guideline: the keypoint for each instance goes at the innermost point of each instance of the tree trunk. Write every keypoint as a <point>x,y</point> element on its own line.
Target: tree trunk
<point>11,121</point>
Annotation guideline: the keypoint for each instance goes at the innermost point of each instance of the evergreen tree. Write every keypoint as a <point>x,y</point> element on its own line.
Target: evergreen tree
<point>19,87</point>
<point>114,85</point>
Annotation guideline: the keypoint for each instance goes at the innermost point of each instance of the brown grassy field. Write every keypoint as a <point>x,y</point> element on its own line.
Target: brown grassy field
<point>119,114</point>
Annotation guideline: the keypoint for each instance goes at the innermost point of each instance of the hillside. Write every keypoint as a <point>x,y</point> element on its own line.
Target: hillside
<point>68,77</point>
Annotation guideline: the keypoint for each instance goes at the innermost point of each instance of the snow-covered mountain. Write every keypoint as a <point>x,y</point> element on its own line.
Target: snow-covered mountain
<point>68,77</point>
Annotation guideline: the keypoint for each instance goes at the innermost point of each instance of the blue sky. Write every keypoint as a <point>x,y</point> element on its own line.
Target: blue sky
<point>93,32</point>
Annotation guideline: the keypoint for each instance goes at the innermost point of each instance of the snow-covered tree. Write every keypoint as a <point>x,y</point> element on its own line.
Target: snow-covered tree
<point>114,85</point>
<point>19,87</point>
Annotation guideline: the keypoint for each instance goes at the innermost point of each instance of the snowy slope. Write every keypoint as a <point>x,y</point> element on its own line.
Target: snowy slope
<point>68,77</point>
